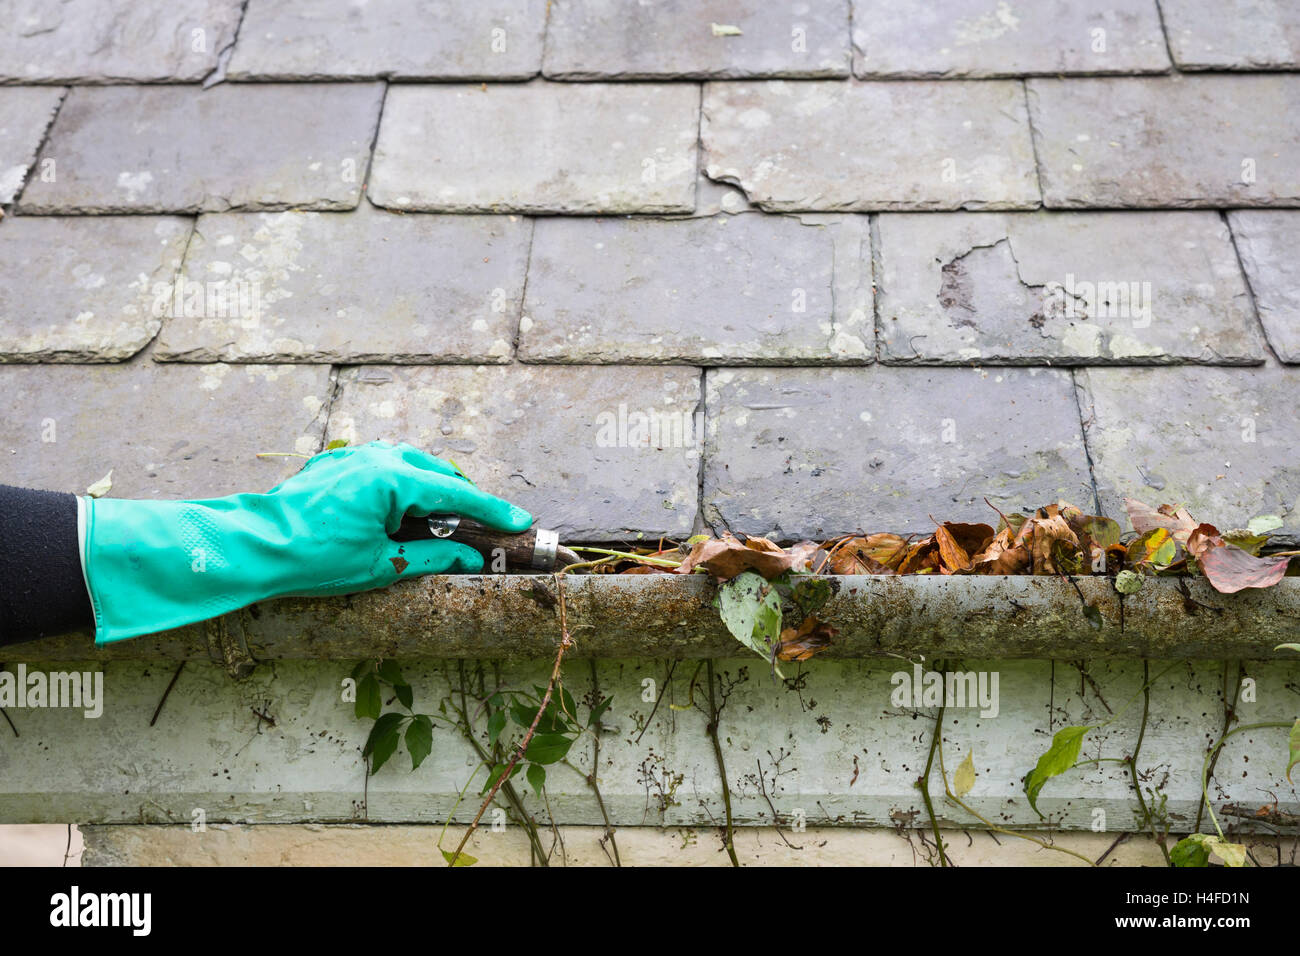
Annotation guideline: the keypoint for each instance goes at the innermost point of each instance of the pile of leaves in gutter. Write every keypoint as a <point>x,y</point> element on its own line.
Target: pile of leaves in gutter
<point>765,588</point>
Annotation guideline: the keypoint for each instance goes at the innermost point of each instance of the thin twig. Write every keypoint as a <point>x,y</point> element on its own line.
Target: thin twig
<point>667,682</point>
<point>714,716</point>
<point>1147,817</point>
<point>158,710</point>
<point>1229,713</point>
<point>565,643</point>
<point>923,784</point>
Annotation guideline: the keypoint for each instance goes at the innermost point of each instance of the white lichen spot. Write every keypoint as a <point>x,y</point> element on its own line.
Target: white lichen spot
<point>134,184</point>
<point>525,323</point>
<point>1082,339</point>
<point>305,445</point>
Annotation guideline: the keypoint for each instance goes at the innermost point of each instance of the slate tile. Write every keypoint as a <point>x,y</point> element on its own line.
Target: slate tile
<point>1267,241</point>
<point>403,39</point>
<point>979,38</point>
<point>1168,142</point>
<point>592,39</point>
<point>84,289</point>
<point>575,445</point>
<point>1233,34</point>
<point>101,41</point>
<point>538,147</point>
<point>810,453</point>
<point>167,431</point>
<point>723,290</point>
<point>821,146</point>
<point>360,286</point>
<point>25,114</point>
<point>1220,441</point>
<point>183,149</point>
<point>1089,288</point>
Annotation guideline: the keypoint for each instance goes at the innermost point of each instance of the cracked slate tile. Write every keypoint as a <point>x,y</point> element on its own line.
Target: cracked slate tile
<point>403,39</point>
<point>747,288</point>
<point>872,145</point>
<point>103,41</point>
<point>1092,288</point>
<point>980,38</point>
<point>596,453</point>
<point>1220,441</point>
<point>1168,142</point>
<point>1233,34</point>
<point>538,147</point>
<point>184,149</point>
<point>809,453</point>
<point>25,114</point>
<point>84,289</point>
<point>167,431</point>
<point>1267,241</point>
<point>594,39</point>
<point>360,286</point>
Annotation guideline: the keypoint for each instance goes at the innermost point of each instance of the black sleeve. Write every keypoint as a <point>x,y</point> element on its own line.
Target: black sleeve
<point>42,588</point>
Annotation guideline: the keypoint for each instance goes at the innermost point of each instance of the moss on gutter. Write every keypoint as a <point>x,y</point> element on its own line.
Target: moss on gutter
<point>670,616</point>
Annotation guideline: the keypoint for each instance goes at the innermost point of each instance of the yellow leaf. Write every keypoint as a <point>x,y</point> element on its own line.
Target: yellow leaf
<point>101,487</point>
<point>463,860</point>
<point>964,778</point>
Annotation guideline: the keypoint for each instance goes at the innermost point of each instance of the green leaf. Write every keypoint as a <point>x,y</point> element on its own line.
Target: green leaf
<point>522,714</point>
<point>1293,744</point>
<point>496,724</point>
<point>337,443</point>
<point>1288,647</point>
<point>1263,524</point>
<point>369,702</point>
<point>547,748</point>
<point>493,777</point>
<point>536,777</point>
<point>463,860</point>
<point>404,695</point>
<point>810,594</point>
<point>390,671</point>
<point>1060,757</point>
<point>599,711</point>
<point>383,740</point>
<point>1104,532</point>
<point>362,668</point>
<point>751,609</point>
<point>1190,852</point>
<point>1128,582</point>
<point>419,739</point>
<point>1195,850</point>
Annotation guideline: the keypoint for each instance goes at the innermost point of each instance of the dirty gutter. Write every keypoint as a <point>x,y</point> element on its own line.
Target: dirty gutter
<point>667,616</point>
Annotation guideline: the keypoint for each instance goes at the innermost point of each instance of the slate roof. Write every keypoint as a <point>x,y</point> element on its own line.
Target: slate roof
<point>794,268</point>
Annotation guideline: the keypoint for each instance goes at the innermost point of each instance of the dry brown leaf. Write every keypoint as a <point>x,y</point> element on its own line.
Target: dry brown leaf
<point>728,556</point>
<point>952,555</point>
<point>808,639</point>
<point>1230,569</point>
<point>1046,532</point>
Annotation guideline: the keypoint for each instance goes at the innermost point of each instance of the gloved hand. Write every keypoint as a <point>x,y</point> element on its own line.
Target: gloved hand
<point>154,565</point>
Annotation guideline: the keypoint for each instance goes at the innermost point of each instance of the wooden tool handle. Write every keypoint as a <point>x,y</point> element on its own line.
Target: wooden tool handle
<point>519,548</point>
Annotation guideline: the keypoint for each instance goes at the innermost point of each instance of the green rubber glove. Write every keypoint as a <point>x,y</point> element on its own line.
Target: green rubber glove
<point>154,565</point>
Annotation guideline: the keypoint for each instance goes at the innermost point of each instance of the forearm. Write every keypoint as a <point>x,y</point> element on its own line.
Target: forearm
<point>42,588</point>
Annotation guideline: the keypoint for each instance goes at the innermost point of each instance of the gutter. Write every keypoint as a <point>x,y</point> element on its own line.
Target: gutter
<point>514,616</point>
